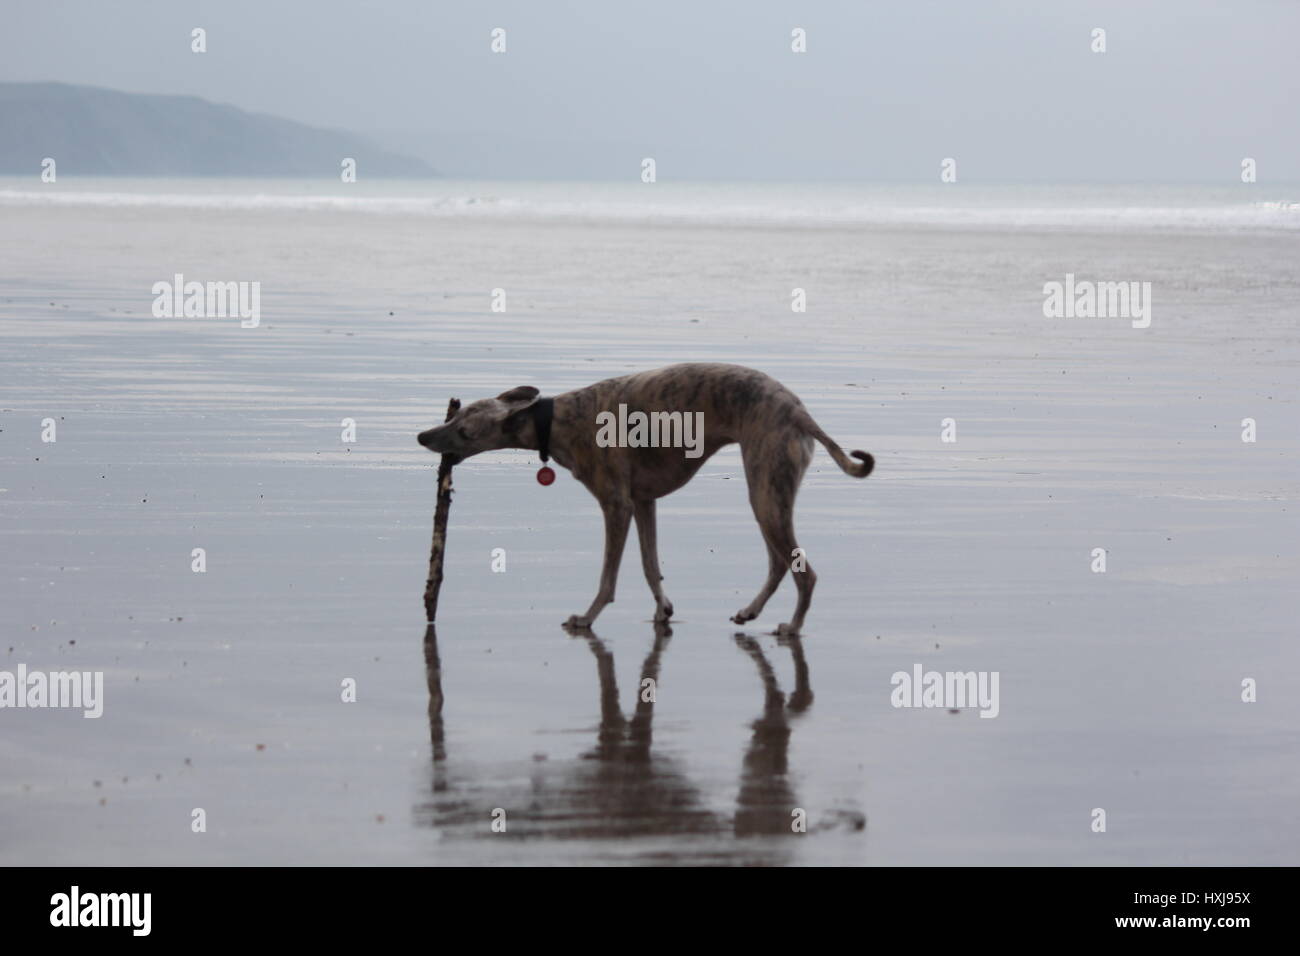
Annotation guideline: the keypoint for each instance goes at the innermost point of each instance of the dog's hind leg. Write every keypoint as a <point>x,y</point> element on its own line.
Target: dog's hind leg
<point>774,470</point>
<point>644,512</point>
<point>805,579</point>
<point>618,515</point>
<point>776,568</point>
<point>774,465</point>
<point>778,531</point>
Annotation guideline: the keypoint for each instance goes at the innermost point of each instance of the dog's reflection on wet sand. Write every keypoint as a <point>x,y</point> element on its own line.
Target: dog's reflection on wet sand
<point>621,787</point>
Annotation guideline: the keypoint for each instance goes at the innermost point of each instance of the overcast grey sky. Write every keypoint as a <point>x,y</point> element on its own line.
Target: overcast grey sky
<point>711,89</point>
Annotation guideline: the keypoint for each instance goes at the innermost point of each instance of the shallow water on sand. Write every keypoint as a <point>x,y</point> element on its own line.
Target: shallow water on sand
<point>1118,690</point>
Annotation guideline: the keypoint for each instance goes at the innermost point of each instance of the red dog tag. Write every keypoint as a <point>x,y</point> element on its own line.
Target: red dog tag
<point>545,475</point>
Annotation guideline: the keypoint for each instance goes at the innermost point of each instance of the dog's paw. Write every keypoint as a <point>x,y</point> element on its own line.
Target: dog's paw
<point>785,630</point>
<point>578,622</point>
<point>663,613</point>
<point>742,616</point>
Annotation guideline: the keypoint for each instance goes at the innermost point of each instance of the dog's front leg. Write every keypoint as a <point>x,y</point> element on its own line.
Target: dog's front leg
<point>618,515</point>
<point>644,512</point>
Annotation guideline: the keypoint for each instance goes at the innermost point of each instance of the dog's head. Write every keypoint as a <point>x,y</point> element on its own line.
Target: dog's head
<point>483,425</point>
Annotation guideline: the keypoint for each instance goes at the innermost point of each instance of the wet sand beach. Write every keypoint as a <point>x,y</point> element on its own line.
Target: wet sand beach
<point>1119,690</point>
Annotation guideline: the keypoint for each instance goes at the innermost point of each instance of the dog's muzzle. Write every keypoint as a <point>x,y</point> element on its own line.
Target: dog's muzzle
<point>432,440</point>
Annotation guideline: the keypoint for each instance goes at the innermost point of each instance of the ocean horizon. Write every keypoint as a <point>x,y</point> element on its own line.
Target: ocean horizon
<point>1132,207</point>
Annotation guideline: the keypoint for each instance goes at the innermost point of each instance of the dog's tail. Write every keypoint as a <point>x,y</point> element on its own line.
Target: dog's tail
<point>856,469</point>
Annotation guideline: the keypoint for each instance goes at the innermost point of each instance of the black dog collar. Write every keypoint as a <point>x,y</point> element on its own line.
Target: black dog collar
<point>543,413</point>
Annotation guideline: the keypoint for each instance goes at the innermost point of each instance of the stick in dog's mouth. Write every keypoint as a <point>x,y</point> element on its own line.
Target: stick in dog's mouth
<point>433,583</point>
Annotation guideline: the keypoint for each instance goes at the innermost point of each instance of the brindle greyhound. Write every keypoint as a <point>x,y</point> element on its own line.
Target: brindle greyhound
<point>739,404</point>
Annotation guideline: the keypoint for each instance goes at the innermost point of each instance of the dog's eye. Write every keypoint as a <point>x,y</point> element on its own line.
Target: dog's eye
<point>463,433</point>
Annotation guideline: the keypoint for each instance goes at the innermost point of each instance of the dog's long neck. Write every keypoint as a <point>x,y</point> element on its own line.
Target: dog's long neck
<point>568,412</point>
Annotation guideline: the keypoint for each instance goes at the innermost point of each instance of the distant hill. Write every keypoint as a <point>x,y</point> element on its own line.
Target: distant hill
<point>92,131</point>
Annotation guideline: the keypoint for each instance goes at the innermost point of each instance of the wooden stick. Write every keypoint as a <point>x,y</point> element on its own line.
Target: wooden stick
<point>434,582</point>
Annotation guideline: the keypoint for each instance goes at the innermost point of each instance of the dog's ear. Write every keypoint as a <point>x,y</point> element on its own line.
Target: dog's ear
<point>517,401</point>
<point>520,397</point>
